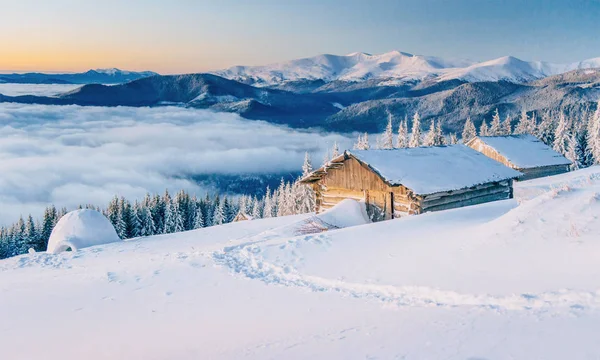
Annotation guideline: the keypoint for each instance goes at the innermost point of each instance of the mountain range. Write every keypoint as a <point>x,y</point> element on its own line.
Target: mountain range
<point>98,76</point>
<point>356,92</point>
<point>397,67</point>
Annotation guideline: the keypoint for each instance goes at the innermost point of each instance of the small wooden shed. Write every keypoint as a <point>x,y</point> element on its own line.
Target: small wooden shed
<point>399,182</point>
<point>242,216</point>
<point>524,153</point>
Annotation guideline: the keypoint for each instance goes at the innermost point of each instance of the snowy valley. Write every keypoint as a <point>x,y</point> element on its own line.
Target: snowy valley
<point>509,279</point>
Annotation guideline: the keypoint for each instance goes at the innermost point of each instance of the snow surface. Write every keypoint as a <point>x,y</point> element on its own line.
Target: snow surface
<point>399,65</point>
<point>524,151</point>
<point>80,229</point>
<point>427,170</point>
<point>516,279</point>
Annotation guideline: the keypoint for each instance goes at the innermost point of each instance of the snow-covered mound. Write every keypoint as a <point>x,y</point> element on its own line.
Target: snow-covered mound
<point>80,229</point>
<point>398,65</point>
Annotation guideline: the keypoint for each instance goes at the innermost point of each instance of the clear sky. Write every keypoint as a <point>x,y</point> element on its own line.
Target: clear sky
<point>180,36</point>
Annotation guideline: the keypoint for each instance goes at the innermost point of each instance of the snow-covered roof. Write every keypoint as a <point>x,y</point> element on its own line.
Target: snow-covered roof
<point>523,151</point>
<point>428,170</point>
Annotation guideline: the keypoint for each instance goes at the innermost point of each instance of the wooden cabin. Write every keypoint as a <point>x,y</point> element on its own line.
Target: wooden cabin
<point>524,153</point>
<point>242,216</point>
<point>400,182</point>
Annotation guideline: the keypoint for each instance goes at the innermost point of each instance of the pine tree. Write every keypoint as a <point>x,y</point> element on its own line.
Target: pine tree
<point>439,135</point>
<point>148,228</point>
<point>32,235</point>
<point>507,126</point>
<point>430,136</point>
<point>545,131</point>
<point>561,135</point>
<point>388,135</point>
<point>136,220</point>
<point>47,225</point>
<point>452,139</point>
<point>307,165</point>
<point>256,209</point>
<point>218,215</point>
<point>199,218</point>
<point>483,129</point>
<point>469,131</point>
<point>571,153</point>
<point>593,136</point>
<point>415,136</point>
<point>362,143</point>
<point>267,206</point>
<point>526,124</point>
<point>335,151</point>
<point>402,141</point>
<point>496,126</point>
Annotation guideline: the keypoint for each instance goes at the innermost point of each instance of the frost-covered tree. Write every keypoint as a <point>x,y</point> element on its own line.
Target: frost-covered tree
<point>307,165</point>
<point>402,140</point>
<point>469,131</point>
<point>483,129</point>
<point>199,218</point>
<point>496,125</point>
<point>571,153</point>
<point>439,135</point>
<point>256,208</point>
<point>545,130</point>
<point>526,124</point>
<point>415,135</point>
<point>335,151</point>
<point>148,228</point>
<point>507,126</point>
<point>388,135</point>
<point>218,217</point>
<point>429,139</point>
<point>593,136</point>
<point>362,143</point>
<point>561,135</point>
<point>268,205</point>
<point>452,139</point>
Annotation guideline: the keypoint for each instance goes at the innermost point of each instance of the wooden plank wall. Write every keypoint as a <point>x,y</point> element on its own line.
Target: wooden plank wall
<point>490,152</point>
<point>538,172</point>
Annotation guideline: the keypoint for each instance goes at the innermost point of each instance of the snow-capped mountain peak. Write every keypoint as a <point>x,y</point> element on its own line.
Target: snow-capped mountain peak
<point>358,66</point>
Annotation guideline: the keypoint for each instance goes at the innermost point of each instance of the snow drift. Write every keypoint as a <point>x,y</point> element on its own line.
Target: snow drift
<point>80,229</point>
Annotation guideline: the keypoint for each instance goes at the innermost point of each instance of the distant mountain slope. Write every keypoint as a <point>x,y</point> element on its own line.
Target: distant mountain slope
<point>399,66</point>
<point>99,76</point>
<point>204,91</point>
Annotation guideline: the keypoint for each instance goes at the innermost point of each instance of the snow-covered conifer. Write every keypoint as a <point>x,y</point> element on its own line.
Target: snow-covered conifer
<point>496,125</point>
<point>415,135</point>
<point>593,136</point>
<point>561,135</point>
<point>483,129</point>
<point>388,135</point>
<point>469,131</point>
<point>507,126</point>
<point>430,137</point>
<point>402,141</point>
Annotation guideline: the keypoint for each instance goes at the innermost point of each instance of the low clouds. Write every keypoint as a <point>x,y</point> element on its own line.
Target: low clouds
<point>69,155</point>
<point>36,89</point>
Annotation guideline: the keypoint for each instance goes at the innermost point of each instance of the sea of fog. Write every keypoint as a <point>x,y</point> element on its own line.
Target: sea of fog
<point>36,89</point>
<point>70,155</point>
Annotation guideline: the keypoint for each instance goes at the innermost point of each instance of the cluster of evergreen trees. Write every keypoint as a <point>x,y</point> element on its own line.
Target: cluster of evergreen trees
<point>575,136</point>
<point>165,214</point>
<point>405,139</point>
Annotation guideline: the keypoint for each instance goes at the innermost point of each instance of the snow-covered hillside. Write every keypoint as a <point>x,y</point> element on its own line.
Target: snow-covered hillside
<point>398,65</point>
<point>512,279</point>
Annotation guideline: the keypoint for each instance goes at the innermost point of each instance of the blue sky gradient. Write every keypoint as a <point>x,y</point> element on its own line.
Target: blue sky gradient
<point>189,36</point>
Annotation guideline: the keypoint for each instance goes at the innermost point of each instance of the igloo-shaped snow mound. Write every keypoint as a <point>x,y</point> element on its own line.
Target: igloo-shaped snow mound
<point>79,229</point>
